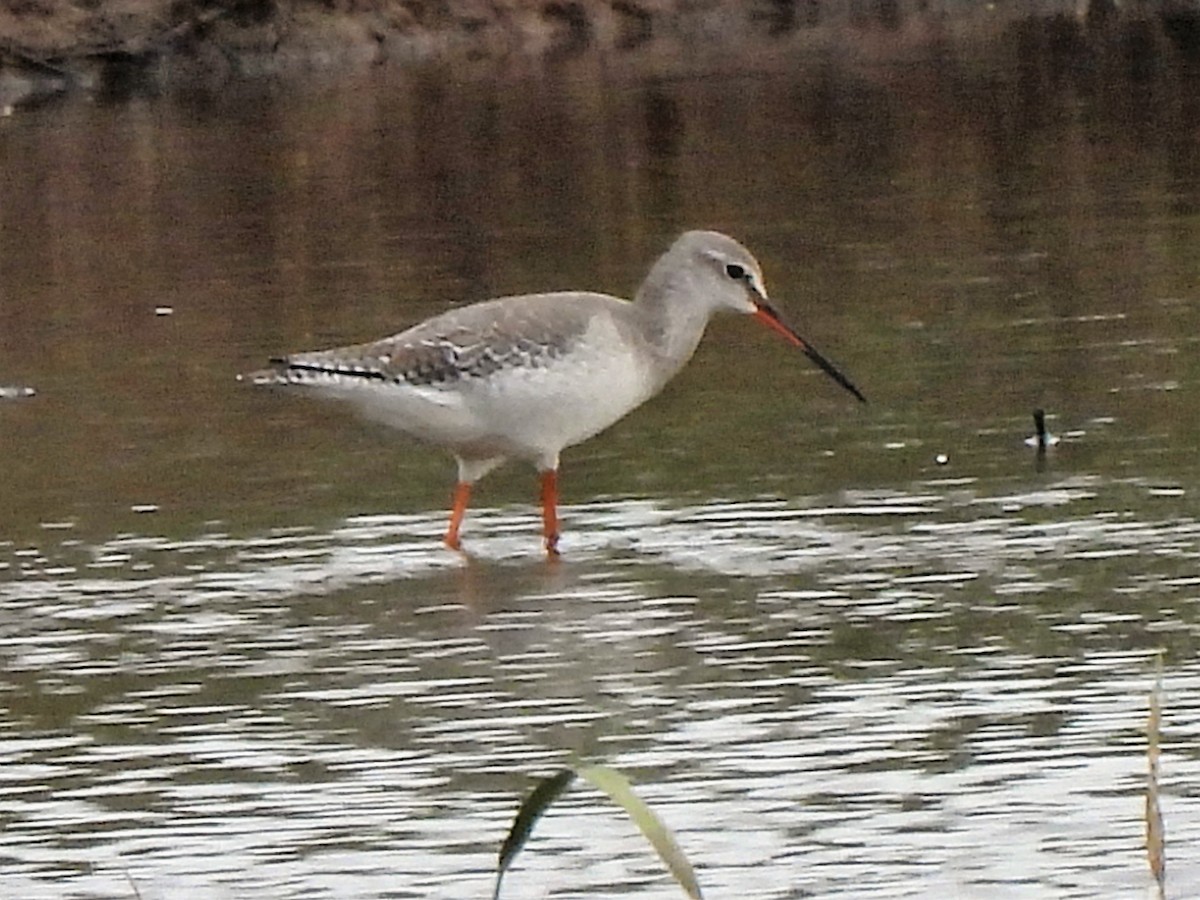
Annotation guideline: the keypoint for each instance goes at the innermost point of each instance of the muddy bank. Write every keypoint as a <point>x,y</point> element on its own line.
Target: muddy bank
<point>51,46</point>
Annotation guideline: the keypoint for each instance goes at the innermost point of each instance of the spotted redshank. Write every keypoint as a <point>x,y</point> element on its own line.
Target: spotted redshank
<point>524,377</point>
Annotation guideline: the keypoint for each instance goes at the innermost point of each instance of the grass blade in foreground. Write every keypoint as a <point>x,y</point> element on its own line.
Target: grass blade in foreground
<point>1155,834</point>
<point>546,792</point>
<point>618,789</point>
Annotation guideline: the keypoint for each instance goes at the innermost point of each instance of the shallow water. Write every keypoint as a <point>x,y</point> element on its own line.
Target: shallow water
<point>237,662</point>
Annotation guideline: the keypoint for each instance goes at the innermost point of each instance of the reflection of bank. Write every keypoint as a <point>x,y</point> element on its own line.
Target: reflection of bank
<point>51,48</point>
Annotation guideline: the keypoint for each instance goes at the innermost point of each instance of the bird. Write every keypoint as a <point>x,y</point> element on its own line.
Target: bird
<point>524,377</point>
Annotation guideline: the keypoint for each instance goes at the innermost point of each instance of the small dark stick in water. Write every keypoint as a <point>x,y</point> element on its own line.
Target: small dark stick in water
<point>1041,437</point>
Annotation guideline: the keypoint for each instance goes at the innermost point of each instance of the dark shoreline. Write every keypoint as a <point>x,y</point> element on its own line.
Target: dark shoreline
<point>49,48</point>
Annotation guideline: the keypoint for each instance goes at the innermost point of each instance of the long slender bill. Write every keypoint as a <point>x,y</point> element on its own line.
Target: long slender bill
<point>769,317</point>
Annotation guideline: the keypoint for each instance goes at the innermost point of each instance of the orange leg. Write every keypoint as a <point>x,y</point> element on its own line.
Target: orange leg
<point>462,494</point>
<point>550,510</point>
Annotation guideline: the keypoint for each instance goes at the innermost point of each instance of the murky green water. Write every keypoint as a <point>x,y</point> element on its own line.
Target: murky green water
<point>236,662</point>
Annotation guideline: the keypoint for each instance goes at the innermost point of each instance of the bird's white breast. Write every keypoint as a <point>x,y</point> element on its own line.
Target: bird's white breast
<point>551,402</point>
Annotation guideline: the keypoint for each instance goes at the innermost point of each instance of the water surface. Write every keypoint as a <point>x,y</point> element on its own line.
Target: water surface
<point>238,663</point>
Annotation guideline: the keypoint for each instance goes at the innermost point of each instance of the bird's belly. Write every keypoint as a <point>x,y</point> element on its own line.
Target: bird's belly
<point>535,411</point>
<point>528,412</point>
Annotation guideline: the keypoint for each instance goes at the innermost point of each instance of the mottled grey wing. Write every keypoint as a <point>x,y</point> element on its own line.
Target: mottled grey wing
<point>471,342</point>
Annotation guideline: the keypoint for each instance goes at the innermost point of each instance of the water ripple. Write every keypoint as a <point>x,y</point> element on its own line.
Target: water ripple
<point>892,692</point>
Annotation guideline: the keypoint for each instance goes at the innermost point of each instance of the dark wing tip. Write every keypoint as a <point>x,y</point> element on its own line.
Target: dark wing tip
<point>276,374</point>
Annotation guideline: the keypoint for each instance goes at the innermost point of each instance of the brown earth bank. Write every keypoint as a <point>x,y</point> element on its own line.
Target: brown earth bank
<point>52,46</point>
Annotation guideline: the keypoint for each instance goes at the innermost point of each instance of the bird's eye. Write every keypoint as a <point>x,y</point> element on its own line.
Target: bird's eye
<point>734,271</point>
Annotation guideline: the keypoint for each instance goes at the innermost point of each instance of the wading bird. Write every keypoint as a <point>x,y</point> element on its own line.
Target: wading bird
<point>525,377</point>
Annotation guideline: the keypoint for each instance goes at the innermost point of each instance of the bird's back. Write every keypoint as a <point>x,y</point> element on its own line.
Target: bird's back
<point>460,344</point>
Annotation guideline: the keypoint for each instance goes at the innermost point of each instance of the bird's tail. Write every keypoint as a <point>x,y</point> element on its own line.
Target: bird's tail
<point>277,373</point>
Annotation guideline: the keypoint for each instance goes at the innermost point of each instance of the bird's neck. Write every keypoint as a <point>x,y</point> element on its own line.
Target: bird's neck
<point>674,317</point>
